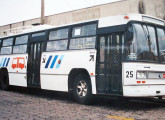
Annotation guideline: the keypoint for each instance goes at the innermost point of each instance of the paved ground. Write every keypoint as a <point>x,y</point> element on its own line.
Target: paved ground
<point>24,104</point>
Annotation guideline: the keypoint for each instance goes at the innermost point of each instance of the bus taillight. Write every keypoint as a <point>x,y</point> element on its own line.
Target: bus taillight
<point>126,17</point>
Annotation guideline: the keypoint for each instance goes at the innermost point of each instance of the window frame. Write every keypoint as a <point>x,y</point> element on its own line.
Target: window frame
<point>163,28</point>
<point>155,26</point>
<point>81,25</point>
<point>3,39</point>
<point>21,43</point>
<point>6,47</point>
<point>57,41</point>
<point>21,36</point>
<point>56,29</point>
<point>38,32</point>
<point>85,36</point>
<point>6,39</point>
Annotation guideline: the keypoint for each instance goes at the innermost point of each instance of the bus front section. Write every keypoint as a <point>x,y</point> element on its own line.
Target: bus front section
<point>143,73</point>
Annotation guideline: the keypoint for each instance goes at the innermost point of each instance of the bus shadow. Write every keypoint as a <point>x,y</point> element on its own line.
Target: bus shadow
<point>46,94</point>
<point>107,103</point>
<point>129,105</point>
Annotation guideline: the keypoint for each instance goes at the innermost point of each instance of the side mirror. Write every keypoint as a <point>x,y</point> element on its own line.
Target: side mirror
<point>129,34</point>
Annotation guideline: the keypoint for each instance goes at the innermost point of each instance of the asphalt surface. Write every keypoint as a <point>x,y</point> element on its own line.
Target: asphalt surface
<point>32,104</point>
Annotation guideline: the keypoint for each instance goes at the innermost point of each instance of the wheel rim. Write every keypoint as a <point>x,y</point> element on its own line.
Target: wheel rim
<point>82,88</point>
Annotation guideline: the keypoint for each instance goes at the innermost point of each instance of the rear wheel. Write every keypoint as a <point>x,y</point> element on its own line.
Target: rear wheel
<point>82,91</point>
<point>4,80</point>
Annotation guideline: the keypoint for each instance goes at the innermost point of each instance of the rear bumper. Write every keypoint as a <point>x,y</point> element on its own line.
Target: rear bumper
<point>144,91</point>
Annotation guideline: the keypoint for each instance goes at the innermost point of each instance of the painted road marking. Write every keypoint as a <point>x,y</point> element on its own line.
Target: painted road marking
<point>120,118</point>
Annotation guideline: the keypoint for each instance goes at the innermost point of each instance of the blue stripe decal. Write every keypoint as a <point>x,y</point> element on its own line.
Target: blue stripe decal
<point>4,62</point>
<point>1,62</point>
<point>54,61</point>
<point>7,62</point>
<point>47,64</point>
<point>58,64</point>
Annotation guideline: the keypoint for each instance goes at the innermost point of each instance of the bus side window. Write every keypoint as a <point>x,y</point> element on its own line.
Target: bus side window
<point>82,43</point>
<point>7,46</point>
<point>58,40</point>
<point>20,44</point>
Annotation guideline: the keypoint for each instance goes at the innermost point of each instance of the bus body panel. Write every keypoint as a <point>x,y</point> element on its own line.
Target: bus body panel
<point>144,90</point>
<point>16,65</point>
<point>18,79</point>
<point>54,82</point>
<point>143,79</point>
<point>56,66</point>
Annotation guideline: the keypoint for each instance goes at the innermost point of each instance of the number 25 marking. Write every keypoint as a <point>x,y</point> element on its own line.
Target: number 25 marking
<point>129,74</point>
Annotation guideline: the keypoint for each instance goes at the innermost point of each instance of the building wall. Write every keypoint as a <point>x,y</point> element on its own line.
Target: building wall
<point>151,7</point>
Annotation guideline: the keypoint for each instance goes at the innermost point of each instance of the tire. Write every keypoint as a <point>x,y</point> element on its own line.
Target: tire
<point>82,91</point>
<point>4,80</point>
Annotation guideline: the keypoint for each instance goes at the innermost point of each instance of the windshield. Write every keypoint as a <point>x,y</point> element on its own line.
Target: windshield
<point>142,46</point>
<point>161,40</point>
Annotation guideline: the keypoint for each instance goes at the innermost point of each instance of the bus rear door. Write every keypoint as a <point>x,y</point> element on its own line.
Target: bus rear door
<point>34,59</point>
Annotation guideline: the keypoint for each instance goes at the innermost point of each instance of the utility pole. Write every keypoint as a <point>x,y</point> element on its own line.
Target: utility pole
<point>42,12</point>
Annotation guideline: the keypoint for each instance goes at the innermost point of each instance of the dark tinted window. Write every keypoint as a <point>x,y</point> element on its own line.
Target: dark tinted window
<point>0,41</point>
<point>161,41</point>
<point>38,34</point>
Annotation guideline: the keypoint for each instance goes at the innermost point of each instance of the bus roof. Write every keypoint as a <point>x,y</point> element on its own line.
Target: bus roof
<point>125,18</point>
<point>103,22</point>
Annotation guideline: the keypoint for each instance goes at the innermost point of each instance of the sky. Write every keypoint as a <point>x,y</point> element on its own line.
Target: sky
<point>12,11</point>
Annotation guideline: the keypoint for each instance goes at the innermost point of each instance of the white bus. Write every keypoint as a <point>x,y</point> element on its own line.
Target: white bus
<point>120,55</point>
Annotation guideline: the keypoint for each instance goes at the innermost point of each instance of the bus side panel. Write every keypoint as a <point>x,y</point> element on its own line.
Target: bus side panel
<point>54,82</point>
<point>56,66</point>
<point>17,79</point>
<point>17,67</point>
